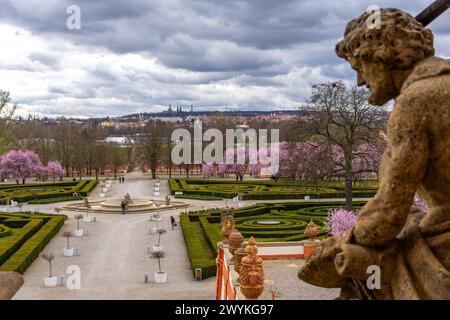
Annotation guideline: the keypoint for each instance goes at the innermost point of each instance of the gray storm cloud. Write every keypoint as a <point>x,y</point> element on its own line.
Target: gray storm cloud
<point>135,56</point>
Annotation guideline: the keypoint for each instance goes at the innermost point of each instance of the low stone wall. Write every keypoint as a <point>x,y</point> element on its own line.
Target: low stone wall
<point>10,283</point>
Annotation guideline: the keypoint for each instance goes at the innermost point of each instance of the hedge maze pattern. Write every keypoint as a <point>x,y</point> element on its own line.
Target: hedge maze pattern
<point>39,192</point>
<point>202,230</point>
<point>23,236</point>
<point>261,189</point>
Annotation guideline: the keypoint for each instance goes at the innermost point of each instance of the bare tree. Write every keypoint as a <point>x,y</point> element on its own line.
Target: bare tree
<point>7,111</point>
<point>341,116</point>
<point>118,158</point>
<point>151,142</point>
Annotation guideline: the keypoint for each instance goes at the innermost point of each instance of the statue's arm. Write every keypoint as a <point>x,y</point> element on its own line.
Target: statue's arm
<point>402,169</point>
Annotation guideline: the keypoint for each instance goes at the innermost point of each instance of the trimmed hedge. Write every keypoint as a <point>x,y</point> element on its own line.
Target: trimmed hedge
<point>27,192</point>
<point>53,200</point>
<point>28,252</point>
<point>32,233</point>
<point>259,190</point>
<point>9,245</point>
<point>4,231</point>
<point>293,218</point>
<point>198,257</point>
<point>211,234</point>
<point>197,197</point>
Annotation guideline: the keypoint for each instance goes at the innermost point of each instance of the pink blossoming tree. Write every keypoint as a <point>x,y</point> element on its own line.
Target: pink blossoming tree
<point>207,170</point>
<point>20,165</point>
<point>54,169</point>
<point>339,221</point>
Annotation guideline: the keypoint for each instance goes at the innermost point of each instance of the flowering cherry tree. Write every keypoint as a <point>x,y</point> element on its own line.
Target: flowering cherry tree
<point>54,169</point>
<point>339,221</point>
<point>239,169</point>
<point>20,165</point>
<point>207,170</point>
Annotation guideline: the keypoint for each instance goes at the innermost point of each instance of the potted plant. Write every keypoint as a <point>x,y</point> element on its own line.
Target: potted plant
<point>78,231</point>
<point>50,281</point>
<point>155,218</point>
<point>160,276</point>
<point>68,251</point>
<point>159,247</point>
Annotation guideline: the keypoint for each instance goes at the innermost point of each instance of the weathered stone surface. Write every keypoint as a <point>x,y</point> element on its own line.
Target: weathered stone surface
<point>412,249</point>
<point>251,272</point>
<point>10,282</point>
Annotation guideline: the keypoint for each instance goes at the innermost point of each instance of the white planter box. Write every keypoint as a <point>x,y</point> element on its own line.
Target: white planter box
<point>50,282</point>
<point>104,189</point>
<point>307,198</point>
<point>78,232</point>
<point>157,248</point>
<point>88,219</point>
<point>102,195</point>
<point>161,277</point>
<point>156,194</point>
<point>68,252</point>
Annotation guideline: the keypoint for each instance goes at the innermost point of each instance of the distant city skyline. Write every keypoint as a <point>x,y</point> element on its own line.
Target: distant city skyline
<point>139,56</point>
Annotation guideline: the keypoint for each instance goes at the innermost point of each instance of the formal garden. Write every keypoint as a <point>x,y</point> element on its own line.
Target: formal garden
<point>217,189</point>
<point>23,236</point>
<point>266,222</point>
<point>41,193</point>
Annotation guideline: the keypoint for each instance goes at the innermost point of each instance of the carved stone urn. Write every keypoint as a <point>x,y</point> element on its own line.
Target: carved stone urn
<point>227,229</point>
<point>311,230</point>
<point>234,242</point>
<point>224,215</point>
<point>238,255</point>
<point>251,280</point>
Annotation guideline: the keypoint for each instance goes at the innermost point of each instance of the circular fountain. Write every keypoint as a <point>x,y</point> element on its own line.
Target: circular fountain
<point>134,205</point>
<point>268,222</point>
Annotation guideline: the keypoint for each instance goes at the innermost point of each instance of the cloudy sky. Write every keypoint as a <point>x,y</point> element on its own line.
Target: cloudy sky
<point>140,55</point>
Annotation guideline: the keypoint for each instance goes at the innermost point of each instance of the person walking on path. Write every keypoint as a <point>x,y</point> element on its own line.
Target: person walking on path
<point>124,206</point>
<point>173,222</point>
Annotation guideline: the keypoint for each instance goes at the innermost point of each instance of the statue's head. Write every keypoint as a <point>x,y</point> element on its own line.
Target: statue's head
<point>383,56</point>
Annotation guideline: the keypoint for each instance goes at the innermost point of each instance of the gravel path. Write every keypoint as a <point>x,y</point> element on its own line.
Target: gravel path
<point>113,257</point>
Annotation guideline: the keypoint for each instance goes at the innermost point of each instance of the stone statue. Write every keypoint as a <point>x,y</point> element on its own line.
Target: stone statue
<point>167,200</point>
<point>411,248</point>
<point>228,227</point>
<point>127,198</point>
